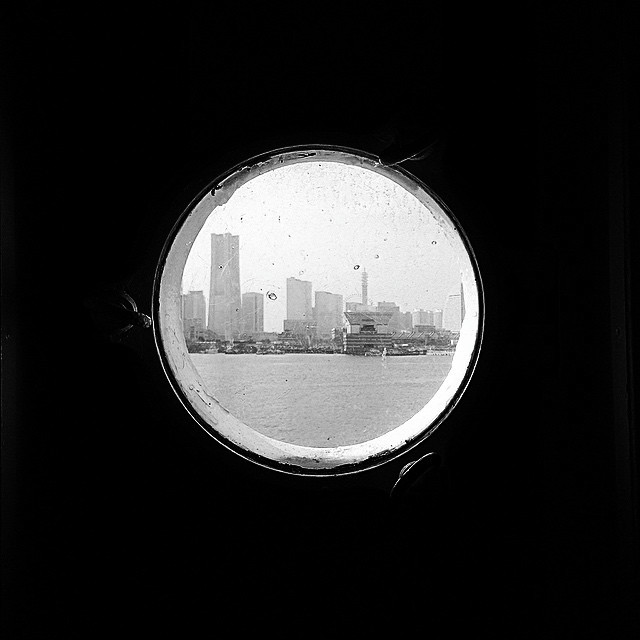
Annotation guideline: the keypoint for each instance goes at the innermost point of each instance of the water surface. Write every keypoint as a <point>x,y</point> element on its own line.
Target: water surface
<point>318,400</point>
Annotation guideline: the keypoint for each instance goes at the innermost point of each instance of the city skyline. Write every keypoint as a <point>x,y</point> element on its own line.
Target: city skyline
<point>326,305</point>
<point>325,223</point>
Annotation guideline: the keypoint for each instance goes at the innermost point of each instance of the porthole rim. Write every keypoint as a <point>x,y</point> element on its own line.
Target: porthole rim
<point>375,460</point>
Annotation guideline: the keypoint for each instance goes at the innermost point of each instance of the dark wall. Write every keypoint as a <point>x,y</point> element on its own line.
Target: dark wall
<point>121,514</point>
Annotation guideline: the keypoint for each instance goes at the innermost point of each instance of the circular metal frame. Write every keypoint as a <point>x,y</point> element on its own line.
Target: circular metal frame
<point>227,430</point>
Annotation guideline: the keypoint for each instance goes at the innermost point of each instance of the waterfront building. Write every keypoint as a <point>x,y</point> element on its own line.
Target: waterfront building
<point>366,330</point>
<point>437,318</point>
<point>225,305</point>
<point>194,329</point>
<point>265,336</point>
<point>327,312</point>
<point>424,328</point>
<point>299,327</point>
<point>299,305</point>
<point>252,313</point>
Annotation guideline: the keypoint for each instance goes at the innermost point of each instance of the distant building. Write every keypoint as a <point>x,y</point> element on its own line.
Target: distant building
<point>395,324</point>
<point>194,312</point>
<point>424,328</point>
<point>193,330</point>
<point>264,336</point>
<point>194,305</point>
<point>252,313</point>
<point>299,327</point>
<point>420,316</point>
<point>327,312</point>
<point>452,318</point>
<point>364,331</point>
<point>225,305</point>
<point>299,304</point>
<point>437,318</point>
<point>359,307</point>
<point>406,321</point>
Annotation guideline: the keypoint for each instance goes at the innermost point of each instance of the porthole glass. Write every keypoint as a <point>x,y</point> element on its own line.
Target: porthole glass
<point>318,312</point>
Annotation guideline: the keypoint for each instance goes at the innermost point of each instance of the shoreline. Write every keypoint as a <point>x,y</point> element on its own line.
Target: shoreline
<point>323,353</point>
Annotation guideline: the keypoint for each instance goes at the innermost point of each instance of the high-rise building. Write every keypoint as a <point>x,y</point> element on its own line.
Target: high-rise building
<point>299,305</point>
<point>327,312</point>
<point>194,305</point>
<point>252,312</point>
<point>194,311</point>
<point>437,318</point>
<point>225,307</point>
<point>452,319</point>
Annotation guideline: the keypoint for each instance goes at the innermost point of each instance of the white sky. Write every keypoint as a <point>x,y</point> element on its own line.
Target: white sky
<point>317,221</point>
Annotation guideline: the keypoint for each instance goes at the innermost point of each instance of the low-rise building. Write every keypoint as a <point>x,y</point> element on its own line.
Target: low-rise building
<point>365,331</point>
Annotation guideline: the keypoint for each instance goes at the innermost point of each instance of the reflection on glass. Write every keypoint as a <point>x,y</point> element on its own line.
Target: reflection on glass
<point>322,304</point>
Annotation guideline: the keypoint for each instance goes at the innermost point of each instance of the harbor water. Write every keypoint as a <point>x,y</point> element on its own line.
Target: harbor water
<point>320,400</point>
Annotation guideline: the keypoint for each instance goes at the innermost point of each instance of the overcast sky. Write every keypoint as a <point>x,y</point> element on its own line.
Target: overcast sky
<point>326,222</point>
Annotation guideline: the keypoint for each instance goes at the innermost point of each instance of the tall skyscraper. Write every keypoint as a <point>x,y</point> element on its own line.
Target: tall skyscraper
<point>299,305</point>
<point>327,312</point>
<point>224,296</point>
<point>252,312</point>
<point>437,318</point>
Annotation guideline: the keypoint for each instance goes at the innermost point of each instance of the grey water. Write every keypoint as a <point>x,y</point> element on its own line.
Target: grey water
<point>320,400</point>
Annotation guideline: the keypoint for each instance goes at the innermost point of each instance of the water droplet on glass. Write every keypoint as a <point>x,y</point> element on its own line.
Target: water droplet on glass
<point>376,256</point>
<point>434,242</point>
<point>271,295</point>
<point>191,387</point>
<point>356,267</point>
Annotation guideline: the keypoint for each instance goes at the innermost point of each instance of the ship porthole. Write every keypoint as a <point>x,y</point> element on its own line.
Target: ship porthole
<point>264,370</point>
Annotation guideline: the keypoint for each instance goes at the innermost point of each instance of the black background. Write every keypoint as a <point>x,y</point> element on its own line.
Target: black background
<point>120,515</point>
